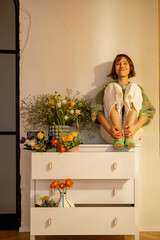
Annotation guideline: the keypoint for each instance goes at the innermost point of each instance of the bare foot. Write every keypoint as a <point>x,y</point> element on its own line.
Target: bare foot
<point>118,145</point>
<point>130,145</point>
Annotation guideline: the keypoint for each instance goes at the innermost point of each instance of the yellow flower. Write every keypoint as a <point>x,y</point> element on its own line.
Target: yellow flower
<point>70,137</point>
<point>64,138</point>
<point>72,104</point>
<point>74,134</point>
<point>51,101</point>
<point>55,96</point>
<point>40,135</point>
<point>35,146</point>
<point>80,104</point>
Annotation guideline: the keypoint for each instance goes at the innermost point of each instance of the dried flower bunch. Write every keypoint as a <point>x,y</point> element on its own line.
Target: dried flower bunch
<point>46,109</point>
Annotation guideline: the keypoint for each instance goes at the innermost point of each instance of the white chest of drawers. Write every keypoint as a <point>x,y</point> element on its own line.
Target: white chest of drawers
<point>104,191</point>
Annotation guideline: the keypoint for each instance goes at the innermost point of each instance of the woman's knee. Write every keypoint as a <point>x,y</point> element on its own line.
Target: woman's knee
<point>113,93</point>
<point>133,98</point>
<point>114,87</point>
<point>133,87</point>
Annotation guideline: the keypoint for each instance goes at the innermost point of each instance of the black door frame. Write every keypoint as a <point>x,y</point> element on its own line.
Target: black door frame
<point>13,221</point>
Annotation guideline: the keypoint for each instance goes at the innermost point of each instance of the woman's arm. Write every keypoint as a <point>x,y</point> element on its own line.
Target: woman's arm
<point>130,130</point>
<point>102,120</point>
<point>148,110</point>
<point>141,121</point>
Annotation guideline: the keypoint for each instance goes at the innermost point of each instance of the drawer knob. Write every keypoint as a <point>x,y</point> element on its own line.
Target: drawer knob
<point>115,222</point>
<point>49,222</point>
<point>115,191</point>
<point>115,166</point>
<point>50,166</point>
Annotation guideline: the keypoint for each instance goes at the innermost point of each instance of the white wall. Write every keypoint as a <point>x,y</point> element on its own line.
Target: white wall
<point>71,44</point>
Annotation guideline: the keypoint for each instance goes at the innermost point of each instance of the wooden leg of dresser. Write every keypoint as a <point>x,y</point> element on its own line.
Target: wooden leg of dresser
<point>32,237</point>
<point>137,235</point>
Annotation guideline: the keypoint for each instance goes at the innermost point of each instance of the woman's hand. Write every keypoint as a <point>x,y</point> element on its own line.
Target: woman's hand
<point>115,132</point>
<point>130,131</point>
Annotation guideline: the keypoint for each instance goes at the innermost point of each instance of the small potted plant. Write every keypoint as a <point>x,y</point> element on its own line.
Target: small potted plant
<point>36,142</point>
<point>45,202</point>
<point>69,142</point>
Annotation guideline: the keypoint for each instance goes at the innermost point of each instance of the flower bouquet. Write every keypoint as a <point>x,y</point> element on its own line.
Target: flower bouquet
<point>52,109</point>
<point>36,142</point>
<point>62,188</point>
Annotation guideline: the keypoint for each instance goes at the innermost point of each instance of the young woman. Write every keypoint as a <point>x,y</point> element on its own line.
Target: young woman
<point>122,108</point>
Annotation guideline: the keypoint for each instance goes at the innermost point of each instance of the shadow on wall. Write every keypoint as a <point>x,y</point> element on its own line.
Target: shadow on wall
<point>101,71</point>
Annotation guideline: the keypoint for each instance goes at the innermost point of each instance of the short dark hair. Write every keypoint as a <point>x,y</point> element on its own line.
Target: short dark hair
<point>118,57</point>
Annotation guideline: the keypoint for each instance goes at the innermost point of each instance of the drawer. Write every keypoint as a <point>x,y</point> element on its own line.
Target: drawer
<point>92,191</point>
<point>83,221</point>
<point>83,165</point>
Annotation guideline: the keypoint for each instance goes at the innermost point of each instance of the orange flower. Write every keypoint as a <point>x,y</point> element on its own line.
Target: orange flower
<point>54,184</point>
<point>67,106</point>
<point>61,148</point>
<point>55,141</point>
<point>69,182</point>
<point>62,185</point>
<point>46,198</point>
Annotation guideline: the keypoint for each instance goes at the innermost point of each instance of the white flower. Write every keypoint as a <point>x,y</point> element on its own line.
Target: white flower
<point>65,117</point>
<point>72,111</point>
<point>30,142</point>
<point>59,104</point>
<point>27,142</point>
<point>78,112</point>
<point>39,202</point>
<point>64,101</point>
